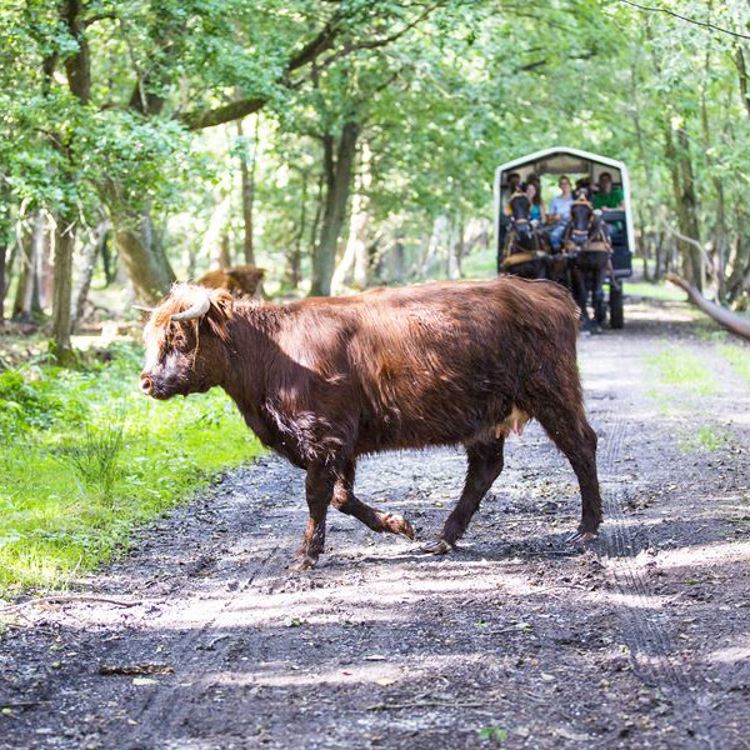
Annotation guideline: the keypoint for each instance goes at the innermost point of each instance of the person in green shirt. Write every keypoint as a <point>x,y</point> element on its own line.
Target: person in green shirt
<point>608,197</point>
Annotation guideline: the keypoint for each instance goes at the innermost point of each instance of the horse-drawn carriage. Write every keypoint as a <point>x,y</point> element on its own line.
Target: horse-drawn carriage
<point>596,248</point>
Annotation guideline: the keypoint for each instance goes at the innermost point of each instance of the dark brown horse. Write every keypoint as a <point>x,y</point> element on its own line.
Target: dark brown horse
<point>589,254</point>
<point>526,250</point>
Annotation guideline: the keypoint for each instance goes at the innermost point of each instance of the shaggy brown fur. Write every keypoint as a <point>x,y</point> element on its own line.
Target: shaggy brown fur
<point>322,381</point>
<point>239,280</point>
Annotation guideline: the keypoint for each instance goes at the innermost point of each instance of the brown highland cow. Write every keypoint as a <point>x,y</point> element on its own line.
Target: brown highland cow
<point>239,280</point>
<point>323,381</point>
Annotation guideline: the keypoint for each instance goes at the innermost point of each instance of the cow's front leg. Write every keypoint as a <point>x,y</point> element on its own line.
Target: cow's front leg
<point>319,489</point>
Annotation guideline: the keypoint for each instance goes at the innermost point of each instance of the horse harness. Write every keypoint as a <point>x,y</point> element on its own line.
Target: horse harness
<point>511,257</point>
<point>597,243</point>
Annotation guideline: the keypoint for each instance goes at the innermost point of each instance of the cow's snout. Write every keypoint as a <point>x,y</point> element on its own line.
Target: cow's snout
<point>147,384</point>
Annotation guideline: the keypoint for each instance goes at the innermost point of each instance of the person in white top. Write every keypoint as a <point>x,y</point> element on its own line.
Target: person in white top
<point>559,212</point>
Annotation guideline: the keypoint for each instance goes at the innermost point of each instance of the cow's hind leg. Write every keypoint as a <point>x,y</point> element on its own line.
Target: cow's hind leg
<point>567,426</point>
<point>485,465</point>
<point>378,520</point>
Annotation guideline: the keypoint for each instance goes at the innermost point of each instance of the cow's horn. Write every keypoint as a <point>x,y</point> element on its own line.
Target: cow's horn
<point>197,310</point>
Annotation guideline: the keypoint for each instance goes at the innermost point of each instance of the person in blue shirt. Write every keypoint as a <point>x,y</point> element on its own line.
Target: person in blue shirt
<point>537,212</point>
<point>559,212</point>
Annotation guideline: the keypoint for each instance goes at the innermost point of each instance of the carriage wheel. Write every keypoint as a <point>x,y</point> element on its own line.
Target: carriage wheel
<point>616,306</point>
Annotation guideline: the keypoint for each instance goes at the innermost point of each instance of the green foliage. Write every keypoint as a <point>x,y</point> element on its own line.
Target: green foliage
<point>92,457</point>
<point>86,459</point>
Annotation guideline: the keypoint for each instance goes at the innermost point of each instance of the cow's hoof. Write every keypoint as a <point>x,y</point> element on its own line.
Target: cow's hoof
<point>581,537</point>
<point>396,524</point>
<point>304,562</point>
<point>439,547</point>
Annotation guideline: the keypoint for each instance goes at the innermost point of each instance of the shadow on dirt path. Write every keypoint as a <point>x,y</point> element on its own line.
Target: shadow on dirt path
<point>642,640</point>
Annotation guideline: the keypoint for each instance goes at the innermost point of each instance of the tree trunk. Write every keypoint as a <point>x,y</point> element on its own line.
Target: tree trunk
<point>438,238</point>
<point>45,273</point>
<point>78,73</point>
<point>3,257</point>
<point>31,246</point>
<point>247,174</point>
<point>683,189</point>
<point>720,225</point>
<point>742,76</point>
<point>361,220</point>
<point>294,257</point>
<point>5,241</point>
<point>212,246</point>
<point>90,253</point>
<point>456,250</point>
<point>315,228</point>
<point>145,263</point>
<point>65,238</point>
<point>399,261</point>
<point>338,169</point>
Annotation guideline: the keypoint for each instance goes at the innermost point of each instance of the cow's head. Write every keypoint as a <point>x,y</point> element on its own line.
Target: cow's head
<point>245,279</point>
<point>186,342</point>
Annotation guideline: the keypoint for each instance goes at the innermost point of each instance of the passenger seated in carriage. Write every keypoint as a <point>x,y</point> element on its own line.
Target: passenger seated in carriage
<point>608,197</point>
<point>558,214</point>
<point>537,212</point>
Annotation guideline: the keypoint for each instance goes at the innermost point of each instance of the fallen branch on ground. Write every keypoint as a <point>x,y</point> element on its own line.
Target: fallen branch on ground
<point>734,323</point>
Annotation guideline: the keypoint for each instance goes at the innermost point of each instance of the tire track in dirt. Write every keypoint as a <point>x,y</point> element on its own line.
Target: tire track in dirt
<point>649,642</point>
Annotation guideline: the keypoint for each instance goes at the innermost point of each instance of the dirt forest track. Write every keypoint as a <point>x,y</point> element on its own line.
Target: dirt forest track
<point>642,640</point>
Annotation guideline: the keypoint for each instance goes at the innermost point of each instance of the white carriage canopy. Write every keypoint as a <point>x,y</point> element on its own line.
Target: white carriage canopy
<point>563,160</point>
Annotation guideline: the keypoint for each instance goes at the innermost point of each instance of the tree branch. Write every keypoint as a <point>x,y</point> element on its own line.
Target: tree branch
<point>99,17</point>
<point>687,19</point>
<point>243,107</point>
<point>310,52</point>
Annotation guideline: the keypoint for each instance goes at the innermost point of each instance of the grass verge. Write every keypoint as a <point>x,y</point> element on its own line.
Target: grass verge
<point>675,366</point>
<point>706,438</point>
<point>86,459</point>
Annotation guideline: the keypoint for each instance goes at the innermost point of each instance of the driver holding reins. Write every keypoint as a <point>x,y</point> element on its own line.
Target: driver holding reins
<point>559,213</point>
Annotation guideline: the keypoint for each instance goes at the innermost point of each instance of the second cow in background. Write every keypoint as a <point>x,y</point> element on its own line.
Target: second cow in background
<point>241,281</point>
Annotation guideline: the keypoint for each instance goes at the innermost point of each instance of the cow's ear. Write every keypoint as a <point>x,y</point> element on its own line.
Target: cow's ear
<point>223,301</point>
<point>220,312</point>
